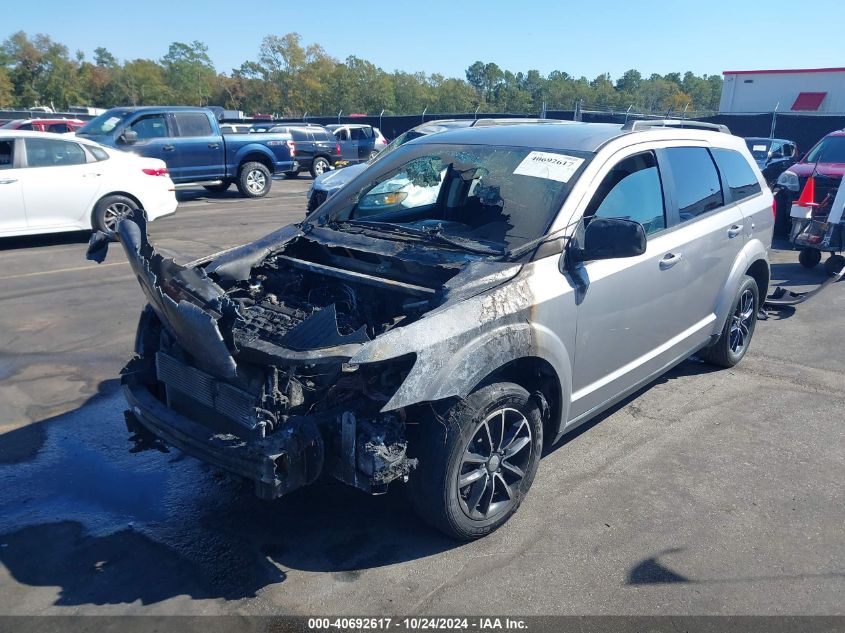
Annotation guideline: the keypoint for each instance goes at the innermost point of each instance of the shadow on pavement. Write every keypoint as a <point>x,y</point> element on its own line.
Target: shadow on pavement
<point>105,526</point>
<point>48,239</point>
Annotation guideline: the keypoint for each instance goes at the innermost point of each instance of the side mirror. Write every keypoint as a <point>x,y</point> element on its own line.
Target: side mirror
<point>611,238</point>
<point>129,137</point>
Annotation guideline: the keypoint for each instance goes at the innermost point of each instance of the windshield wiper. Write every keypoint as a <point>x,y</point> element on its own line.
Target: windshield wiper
<point>433,235</point>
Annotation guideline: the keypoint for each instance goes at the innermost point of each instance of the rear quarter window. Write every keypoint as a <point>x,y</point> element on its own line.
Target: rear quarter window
<point>742,182</point>
<point>697,186</point>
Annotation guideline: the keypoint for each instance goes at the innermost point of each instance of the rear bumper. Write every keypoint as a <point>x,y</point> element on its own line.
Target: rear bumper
<point>286,165</point>
<point>278,464</point>
<point>160,202</point>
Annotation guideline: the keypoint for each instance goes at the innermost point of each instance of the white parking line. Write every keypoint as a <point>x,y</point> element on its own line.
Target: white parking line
<point>63,270</point>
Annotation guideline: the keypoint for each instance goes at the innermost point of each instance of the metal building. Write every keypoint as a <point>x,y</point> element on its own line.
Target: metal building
<point>806,90</point>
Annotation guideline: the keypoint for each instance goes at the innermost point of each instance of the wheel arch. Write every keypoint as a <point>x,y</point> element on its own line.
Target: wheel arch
<point>540,379</point>
<point>255,157</point>
<point>125,194</point>
<point>752,260</point>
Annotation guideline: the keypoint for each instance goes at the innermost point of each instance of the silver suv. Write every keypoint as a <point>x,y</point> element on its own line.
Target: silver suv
<point>469,297</point>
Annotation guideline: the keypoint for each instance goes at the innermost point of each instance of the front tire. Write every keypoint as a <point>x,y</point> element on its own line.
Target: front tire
<point>739,327</point>
<point>254,180</point>
<point>319,167</point>
<point>477,463</point>
<point>110,210</point>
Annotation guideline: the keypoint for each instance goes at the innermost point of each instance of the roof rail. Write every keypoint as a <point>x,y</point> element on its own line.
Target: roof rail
<point>682,123</point>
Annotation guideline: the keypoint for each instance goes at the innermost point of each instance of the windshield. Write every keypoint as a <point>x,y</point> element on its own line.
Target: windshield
<point>400,140</point>
<point>759,148</point>
<point>495,196</point>
<point>831,149</point>
<point>103,124</point>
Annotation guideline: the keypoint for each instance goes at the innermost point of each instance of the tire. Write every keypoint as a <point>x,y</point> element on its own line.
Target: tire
<point>739,327</point>
<point>834,264</point>
<point>372,155</point>
<point>809,257</point>
<point>109,210</point>
<point>291,174</point>
<point>319,166</point>
<point>254,180</point>
<point>493,488</point>
<point>221,188</point>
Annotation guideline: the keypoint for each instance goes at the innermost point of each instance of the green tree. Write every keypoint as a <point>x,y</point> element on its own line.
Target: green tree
<point>189,73</point>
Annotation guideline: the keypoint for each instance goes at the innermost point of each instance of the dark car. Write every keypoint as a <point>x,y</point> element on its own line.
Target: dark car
<point>825,161</point>
<point>357,141</point>
<point>773,155</point>
<point>316,148</point>
<point>189,140</point>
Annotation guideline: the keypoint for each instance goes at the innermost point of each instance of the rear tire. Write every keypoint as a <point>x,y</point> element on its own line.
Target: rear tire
<point>739,327</point>
<point>110,210</point>
<point>834,264</point>
<point>319,167</point>
<point>222,187</point>
<point>809,257</point>
<point>477,462</point>
<point>254,180</point>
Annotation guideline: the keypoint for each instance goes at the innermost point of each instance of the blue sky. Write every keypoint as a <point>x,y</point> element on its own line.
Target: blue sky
<point>446,37</point>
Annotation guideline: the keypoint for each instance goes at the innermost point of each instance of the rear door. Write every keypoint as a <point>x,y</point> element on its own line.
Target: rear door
<point>199,150</point>
<point>631,317</point>
<point>59,185</point>
<point>711,228</point>
<point>12,212</point>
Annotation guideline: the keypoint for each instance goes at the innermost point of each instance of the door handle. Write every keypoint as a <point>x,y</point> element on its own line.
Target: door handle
<point>93,175</point>
<point>168,148</point>
<point>669,260</point>
<point>8,181</point>
<point>213,146</point>
<point>735,230</point>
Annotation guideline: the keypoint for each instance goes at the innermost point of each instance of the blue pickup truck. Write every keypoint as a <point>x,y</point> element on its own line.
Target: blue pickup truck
<point>190,142</point>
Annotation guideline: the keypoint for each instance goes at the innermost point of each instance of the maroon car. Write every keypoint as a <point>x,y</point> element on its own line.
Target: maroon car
<point>825,161</point>
<point>58,126</point>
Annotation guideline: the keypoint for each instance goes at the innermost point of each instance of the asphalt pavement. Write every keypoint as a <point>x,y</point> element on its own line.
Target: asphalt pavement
<point>709,492</point>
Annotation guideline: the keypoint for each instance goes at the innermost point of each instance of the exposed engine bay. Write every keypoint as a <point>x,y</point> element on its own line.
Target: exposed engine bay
<point>255,351</point>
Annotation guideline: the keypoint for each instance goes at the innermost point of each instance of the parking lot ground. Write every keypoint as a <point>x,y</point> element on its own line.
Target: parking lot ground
<point>708,492</point>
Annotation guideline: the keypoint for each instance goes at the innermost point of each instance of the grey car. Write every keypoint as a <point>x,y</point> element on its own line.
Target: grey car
<point>442,344</point>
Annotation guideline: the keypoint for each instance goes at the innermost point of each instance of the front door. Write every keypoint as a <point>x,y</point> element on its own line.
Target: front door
<point>632,314</point>
<point>348,147</point>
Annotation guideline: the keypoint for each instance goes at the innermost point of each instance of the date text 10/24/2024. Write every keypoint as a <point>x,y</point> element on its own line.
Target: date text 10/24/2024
<point>480,624</point>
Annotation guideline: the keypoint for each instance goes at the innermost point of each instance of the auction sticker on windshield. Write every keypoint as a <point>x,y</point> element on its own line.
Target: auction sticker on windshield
<point>550,166</point>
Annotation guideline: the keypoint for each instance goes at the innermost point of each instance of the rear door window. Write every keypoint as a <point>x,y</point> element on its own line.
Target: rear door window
<point>193,124</point>
<point>50,153</point>
<point>632,190</point>
<point>299,135</point>
<point>697,186</point>
<point>742,183</point>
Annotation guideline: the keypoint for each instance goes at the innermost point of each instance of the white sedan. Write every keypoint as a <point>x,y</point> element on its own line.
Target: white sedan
<point>51,183</point>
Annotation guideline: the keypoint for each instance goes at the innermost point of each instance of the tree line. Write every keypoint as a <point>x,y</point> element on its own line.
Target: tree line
<point>289,78</point>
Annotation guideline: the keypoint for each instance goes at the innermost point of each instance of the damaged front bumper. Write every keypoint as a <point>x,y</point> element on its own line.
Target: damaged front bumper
<point>365,453</point>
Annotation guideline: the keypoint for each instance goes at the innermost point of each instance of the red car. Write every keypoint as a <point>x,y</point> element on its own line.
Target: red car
<point>58,126</point>
<point>826,161</point>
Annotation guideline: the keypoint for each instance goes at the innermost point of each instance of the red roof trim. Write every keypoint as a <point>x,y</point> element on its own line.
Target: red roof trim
<point>785,71</point>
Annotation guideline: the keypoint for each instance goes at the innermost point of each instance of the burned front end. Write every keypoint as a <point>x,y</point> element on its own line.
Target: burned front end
<point>261,360</point>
